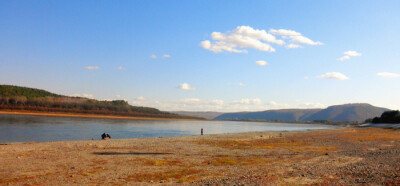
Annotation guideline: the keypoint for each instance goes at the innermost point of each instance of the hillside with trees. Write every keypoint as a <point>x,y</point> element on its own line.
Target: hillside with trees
<point>31,99</point>
<point>387,117</point>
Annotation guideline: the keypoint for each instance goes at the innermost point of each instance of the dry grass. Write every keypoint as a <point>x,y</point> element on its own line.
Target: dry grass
<point>160,162</point>
<point>231,160</point>
<point>179,175</point>
<point>370,134</point>
<point>252,144</point>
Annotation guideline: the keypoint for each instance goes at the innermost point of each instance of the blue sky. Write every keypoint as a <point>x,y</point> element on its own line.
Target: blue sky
<point>202,55</point>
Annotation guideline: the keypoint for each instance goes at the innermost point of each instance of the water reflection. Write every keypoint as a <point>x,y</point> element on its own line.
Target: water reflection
<point>17,128</point>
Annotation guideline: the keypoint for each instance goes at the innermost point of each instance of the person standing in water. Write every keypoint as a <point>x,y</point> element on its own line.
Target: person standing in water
<point>201,131</point>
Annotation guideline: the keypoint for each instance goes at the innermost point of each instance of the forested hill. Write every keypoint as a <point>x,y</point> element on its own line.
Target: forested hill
<point>31,99</point>
<point>14,91</point>
<point>338,113</point>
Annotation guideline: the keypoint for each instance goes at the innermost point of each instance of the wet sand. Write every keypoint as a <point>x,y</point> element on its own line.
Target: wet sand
<point>338,156</point>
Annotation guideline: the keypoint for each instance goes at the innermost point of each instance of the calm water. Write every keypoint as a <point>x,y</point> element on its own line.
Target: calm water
<point>16,128</point>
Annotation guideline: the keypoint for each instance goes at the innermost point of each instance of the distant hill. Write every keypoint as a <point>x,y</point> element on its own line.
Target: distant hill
<point>282,115</point>
<point>205,115</point>
<point>32,99</point>
<point>338,113</point>
<point>348,112</point>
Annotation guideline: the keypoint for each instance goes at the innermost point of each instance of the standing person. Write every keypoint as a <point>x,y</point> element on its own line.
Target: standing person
<point>201,131</point>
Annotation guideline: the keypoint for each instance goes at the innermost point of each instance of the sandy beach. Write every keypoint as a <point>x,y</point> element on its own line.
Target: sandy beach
<point>338,156</point>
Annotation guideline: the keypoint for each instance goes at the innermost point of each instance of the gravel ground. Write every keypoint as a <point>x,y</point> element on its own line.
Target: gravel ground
<point>336,157</point>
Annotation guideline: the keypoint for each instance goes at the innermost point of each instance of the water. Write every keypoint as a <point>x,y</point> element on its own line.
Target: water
<point>17,128</point>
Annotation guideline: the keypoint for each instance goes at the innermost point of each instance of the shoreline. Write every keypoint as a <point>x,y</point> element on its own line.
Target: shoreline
<point>159,137</point>
<point>77,115</point>
<point>347,156</point>
<point>183,136</point>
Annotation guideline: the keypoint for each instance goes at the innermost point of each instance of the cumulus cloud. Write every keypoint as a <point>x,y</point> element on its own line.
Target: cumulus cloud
<point>333,75</point>
<point>388,75</point>
<point>311,105</point>
<point>352,53</point>
<point>243,37</point>
<point>349,54</point>
<point>239,38</point>
<point>120,68</point>
<point>343,58</point>
<point>91,68</point>
<point>197,101</point>
<point>185,86</point>
<point>153,56</point>
<point>275,105</point>
<point>241,84</point>
<point>140,98</point>
<point>295,37</point>
<point>247,101</point>
<point>166,56</point>
<point>293,46</point>
<point>261,63</point>
<point>284,32</point>
<point>90,96</point>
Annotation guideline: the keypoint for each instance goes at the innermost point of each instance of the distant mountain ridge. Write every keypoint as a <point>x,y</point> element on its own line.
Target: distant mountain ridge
<point>337,113</point>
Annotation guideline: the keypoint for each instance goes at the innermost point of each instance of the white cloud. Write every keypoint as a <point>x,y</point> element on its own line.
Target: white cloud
<point>388,75</point>
<point>140,98</point>
<point>90,96</point>
<point>284,32</point>
<point>343,58</point>
<point>166,56</point>
<point>91,68</point>
<point>293,46</point>
<point>352,53</point>
<point>333,75</point>
<point>241,37</point>
<point>304,40</point>
<point>295,37</point>
<point>120,68</point>
<point>261,63</point>
<point>311,105</point>
<point>153,56</point>
<point>275,105</point>
<point>197,101</point>
<point>247,101</point>
<point>118,96</point>
<point>241,84</point>
<point>185,86</point>
<point>349,54</point>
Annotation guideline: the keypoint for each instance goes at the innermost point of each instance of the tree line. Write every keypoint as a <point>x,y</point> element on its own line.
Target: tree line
<point>392,116</point>
<point>81,105</point>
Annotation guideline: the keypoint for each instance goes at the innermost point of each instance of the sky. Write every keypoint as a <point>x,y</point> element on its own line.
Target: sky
<point>197,55</point>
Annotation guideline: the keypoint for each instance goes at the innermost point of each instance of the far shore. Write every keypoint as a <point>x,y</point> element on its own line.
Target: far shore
<point>78,115</point>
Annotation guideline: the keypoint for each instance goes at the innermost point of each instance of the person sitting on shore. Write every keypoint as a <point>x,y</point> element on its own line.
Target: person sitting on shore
<point>103,136</point>
<point>108,136</point>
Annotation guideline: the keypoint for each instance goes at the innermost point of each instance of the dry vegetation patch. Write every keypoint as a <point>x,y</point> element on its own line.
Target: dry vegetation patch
<point>178,175</point>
